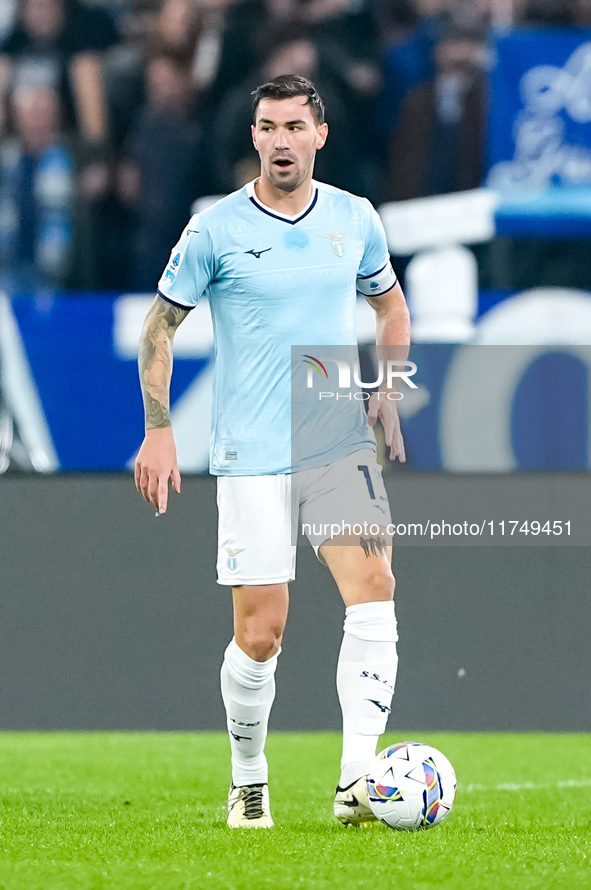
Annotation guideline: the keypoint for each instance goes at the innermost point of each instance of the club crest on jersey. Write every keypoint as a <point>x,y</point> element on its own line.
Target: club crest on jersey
<point>337,242</point>
<point>232,562</point>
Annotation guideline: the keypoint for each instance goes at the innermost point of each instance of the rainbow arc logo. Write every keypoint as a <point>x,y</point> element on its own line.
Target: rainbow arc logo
<point>317,364</point>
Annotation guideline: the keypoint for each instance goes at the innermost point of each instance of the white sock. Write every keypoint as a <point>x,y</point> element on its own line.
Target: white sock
<point>248,690</point>
<point>366,675</point>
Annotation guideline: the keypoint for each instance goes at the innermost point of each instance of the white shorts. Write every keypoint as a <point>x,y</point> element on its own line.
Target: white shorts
<point>258,515</point>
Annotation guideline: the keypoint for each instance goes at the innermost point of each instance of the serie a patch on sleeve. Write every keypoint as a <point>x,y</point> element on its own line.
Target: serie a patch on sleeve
<point>377,284</point>
<point>169,274</point>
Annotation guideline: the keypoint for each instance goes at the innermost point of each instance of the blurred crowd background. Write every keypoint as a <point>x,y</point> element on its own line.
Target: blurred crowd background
<point>116,116</point>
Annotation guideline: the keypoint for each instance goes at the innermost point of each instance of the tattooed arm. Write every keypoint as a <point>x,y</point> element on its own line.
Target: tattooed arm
<point>156,461</point>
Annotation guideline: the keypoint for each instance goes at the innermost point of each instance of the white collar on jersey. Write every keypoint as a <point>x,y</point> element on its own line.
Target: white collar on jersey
<point>271,212</point>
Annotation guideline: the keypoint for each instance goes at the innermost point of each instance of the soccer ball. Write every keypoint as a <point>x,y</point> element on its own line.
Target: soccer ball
<point>410,786</point>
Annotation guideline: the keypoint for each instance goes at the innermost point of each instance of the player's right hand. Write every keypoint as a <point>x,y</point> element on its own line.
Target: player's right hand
<point>155,464</point>
<point>388,414</point>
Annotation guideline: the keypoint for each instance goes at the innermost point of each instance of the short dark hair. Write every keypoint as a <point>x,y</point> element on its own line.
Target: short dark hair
<point>286,86</point>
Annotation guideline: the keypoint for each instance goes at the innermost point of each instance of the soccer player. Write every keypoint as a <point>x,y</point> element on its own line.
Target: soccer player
<point>281,261</point>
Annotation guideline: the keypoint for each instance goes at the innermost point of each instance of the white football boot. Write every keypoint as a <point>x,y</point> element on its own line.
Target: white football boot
<point>351,804</point>
<point>248,807</point>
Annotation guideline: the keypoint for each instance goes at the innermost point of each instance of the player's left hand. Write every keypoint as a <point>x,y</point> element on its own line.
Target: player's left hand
<point>385,409</point>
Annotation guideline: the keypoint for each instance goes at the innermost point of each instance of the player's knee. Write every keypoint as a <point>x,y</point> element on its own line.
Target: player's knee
<point>261,643</point>
<point>381,583</point>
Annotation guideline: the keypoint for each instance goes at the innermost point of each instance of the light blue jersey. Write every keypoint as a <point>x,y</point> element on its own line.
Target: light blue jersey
<point>274,282</point>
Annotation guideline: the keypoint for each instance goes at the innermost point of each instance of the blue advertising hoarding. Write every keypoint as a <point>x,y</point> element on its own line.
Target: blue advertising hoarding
<point>88,389</point>
<point>540,132</point>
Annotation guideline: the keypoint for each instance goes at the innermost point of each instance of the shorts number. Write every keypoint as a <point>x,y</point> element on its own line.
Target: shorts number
<point>365,470</point>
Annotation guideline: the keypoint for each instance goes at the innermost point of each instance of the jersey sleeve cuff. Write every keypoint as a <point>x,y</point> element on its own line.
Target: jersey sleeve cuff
<point>174,302</point>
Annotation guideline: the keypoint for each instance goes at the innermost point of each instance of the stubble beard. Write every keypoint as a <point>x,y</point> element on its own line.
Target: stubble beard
<point>295,180</point>
<point>288,184</point>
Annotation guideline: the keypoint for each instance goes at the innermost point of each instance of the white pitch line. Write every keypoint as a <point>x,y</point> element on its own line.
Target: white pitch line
<point>529,786</point>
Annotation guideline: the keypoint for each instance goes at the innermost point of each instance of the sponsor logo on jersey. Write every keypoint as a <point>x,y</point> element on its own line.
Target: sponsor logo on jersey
<point>257,253</point>
<point>337,242</point>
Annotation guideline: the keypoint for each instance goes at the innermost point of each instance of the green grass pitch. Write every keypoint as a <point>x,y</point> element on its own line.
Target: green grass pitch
<point>144,811</point>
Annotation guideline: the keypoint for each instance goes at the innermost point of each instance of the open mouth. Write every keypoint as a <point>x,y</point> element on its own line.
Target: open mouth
<point>284,163</point>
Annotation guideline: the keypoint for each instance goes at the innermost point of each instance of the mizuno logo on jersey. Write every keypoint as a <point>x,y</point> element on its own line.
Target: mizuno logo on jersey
<point>337,242</point>
<point>257,253</point>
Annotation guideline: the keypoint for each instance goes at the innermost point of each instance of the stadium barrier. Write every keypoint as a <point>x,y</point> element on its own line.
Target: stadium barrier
<point>478,407</point>
<point>112,619</point>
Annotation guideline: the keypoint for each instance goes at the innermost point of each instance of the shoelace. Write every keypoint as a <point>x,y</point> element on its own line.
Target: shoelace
<point>253,803</point>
